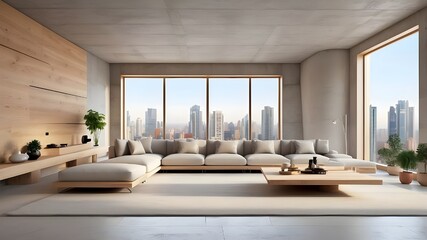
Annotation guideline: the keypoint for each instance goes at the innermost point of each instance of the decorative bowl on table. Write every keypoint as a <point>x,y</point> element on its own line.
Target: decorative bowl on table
<point>18,157</point>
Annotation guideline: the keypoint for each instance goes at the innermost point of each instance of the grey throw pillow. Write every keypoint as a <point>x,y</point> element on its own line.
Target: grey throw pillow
<point>121,147</point>
<point>322,146</point>
<point>136,147</point>
<point>304,146</point>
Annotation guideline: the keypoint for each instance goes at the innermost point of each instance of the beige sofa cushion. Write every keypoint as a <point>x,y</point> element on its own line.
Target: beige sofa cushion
<point>135,147</point>
<point>322,146</point>
<point>184,159</point>
<point>304,146</point>
<point>264,147</point>
<point>226,147</point>
<point>95,172</point>
<point>225,159</point>
<point>188,147</point>
<point>351,162</point>
<point>266,159</point>
<point>121,147</point>
<point>150,160</point>
<point>287,147</point>
<point>146,142</point>
<point>158,146</point>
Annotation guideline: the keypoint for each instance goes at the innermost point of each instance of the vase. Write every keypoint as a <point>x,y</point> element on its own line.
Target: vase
<point>96,134</point>
<point>405,177</point>
<point>422,179</point>
<point>18,157</point>
<point>393,170</point>
<point>34,155</point>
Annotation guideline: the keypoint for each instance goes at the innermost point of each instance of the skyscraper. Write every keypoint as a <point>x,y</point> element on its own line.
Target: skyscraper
<point>267,123</point>
<point>373,133</point>
<point>195,127</point>
<point>402,111</point>
<point>244,127</point>
<point>150,121</point>
<point>138,126</point>
<point>392,121</point>
<point>411,123</point>
<point>216,126</point>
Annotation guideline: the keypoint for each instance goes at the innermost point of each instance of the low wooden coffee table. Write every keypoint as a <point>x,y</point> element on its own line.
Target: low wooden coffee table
<point>329,181</point>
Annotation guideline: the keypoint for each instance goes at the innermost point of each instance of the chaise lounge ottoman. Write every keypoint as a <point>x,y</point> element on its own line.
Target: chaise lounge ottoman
<point>105,175</point>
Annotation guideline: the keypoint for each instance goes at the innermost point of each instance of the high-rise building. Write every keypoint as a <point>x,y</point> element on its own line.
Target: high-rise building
<point>392,121</point>
<point>150,122</point>
<point>127,118</point>
<point>195,127</point>
<point>402,112</point>
<point>267,123</point>
<point>138,132</point>
<point>244,127</point>
<point>216,126</point>
<point>411,122</point>
<point>373,133</point>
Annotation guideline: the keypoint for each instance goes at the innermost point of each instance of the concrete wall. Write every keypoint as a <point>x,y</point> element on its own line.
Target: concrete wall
<point>98,92</point>
<point>356,108</point>
<point>324,96</point>
<point>292,118</point>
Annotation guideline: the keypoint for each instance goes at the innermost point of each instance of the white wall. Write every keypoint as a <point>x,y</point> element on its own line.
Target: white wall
<point>324,96</point>
<point>98,92</point>
<point>291,104</point>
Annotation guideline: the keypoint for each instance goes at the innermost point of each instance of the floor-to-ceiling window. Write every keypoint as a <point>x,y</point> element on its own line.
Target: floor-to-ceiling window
<point>143,113</point>
<point>220,108</point>
<point>391,95</point>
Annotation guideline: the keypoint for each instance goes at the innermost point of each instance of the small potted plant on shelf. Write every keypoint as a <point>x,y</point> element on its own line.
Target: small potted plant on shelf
<point>95,122</point>
<point>390,153</point>
<point>406,160</point>
<point>422,164</point>
<point>33,149</point>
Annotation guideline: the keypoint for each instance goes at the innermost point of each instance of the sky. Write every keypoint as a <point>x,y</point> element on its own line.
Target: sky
<point>394,76</point>
<point>230,95</point>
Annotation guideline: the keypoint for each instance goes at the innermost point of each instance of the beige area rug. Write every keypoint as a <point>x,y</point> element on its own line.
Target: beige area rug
<point>231,194</point>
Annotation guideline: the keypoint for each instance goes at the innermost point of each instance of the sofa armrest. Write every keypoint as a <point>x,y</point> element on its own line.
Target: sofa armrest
<point>111,152</point>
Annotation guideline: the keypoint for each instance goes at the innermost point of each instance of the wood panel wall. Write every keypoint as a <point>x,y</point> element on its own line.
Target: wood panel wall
<point>43,84</point>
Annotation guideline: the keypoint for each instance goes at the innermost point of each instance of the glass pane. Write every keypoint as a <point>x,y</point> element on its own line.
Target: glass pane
<point>185,108</point>
<point>228,108</point>
<point>392,74</point>
<point>265,95</point>
<point>143,107</point>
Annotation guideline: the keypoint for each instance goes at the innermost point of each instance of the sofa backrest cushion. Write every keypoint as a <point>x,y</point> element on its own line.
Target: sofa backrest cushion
<point>226,147</point>
<point>135,147</point>
<point>264,146</point>
<point>322,146</point>
<point>121,147</point>
<point>188,147</point>
<point>146,143</point>
<point>287,147</point>
<point>304,146</point>
<point>158,146</point>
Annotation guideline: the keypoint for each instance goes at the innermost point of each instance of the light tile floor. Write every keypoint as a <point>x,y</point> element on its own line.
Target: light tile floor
<point>197,227</point>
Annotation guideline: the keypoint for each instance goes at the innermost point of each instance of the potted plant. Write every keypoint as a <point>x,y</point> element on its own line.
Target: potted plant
<point>422,164</point>
<point>33,149</point>
<point>390,154</point>
<point>406,160</point>
<point>95,122</point>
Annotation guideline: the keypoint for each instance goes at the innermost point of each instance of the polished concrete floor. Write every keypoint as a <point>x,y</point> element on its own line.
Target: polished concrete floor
<point>197,227</point>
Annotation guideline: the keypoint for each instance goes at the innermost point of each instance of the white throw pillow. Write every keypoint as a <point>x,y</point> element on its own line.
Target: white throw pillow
<point>121,147</point>
<point>188,147</point>
<point>304,146</point>
<point>322,146</point>
<point>136,147</point>
<point>264,147</point>
<point>146,142</point>
<point>226,147</point>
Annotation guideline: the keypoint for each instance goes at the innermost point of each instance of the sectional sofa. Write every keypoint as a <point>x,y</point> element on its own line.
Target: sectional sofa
<point>132,162</point>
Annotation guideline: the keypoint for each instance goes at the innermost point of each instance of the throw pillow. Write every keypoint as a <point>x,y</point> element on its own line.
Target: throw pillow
<point>188,147</point>
<point>136,147</point>
<point>264,147</point>
<point>146,142</point>
<point>304,147</point>
<point>322,146</point>
<point>121,147</point>
<point>226,147</point>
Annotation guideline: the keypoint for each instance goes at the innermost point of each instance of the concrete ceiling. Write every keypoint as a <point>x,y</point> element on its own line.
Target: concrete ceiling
<point>215,31</point>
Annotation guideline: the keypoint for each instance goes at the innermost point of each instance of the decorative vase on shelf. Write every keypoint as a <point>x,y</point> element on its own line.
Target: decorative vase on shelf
<point>96,135</point>
<point>18,157</point>
<point>34,155</point>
